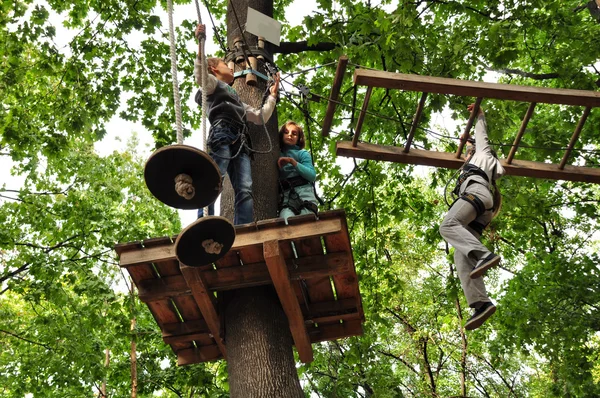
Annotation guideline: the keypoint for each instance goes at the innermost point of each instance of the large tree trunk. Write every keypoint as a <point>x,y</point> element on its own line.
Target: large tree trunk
<point>257,335</point>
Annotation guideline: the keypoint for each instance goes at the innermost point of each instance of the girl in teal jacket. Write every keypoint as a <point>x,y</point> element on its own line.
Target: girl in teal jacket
<point>296,173</point>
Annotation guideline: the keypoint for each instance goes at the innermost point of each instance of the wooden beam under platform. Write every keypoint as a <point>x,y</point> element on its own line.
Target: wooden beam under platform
<point>469,88</point>
<point>521,168</point>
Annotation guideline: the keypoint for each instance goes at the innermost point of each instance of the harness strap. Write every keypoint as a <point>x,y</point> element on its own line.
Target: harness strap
<point>469,171</point>
<point>292,182</point>
<point>475,202</point>
<point>477,227</point>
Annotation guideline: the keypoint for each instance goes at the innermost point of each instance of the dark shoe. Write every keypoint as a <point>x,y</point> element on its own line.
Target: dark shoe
<point>480,316</point>
<point>484,264</point>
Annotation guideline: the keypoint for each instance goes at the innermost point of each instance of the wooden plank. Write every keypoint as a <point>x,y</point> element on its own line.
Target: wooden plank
<point>163,288</point>
<point>164,313</point>
<point>361,116</point>
<point>346,285</point>
<point>469,88</point>
<point>244,237</point>
<point>415,122</point>
<point>196,330</point>
<point>574,137</point>
<point>319,289</point>
<point>141,272</point>
<point>249,275</point>
<point>279,274</point>
<point>524,123</point>
<point>183,328</point>
<point>205,301</point>
<point>521,168</point>
<point>331,312</point>
<point>197,355</point>
<point>467,132</point>
<point>335,92</point>
<point>231,259</point>
<point>336,331</point>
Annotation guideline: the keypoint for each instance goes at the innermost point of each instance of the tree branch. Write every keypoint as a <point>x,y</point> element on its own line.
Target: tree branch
<point>301,46</point>
<point>400,359</point>
<point>534,76</point>
<point>26,340</point>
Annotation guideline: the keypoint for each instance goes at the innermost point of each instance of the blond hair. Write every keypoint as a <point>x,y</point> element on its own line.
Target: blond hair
<point>212,62</point>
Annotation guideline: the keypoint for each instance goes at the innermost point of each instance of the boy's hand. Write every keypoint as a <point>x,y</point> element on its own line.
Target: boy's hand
<point>472,106</point>
<point>200,31</point>
<point>275,86</point>
<point>285,160</point>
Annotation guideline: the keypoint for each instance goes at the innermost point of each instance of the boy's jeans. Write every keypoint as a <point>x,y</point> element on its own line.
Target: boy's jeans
<point>224,141</point>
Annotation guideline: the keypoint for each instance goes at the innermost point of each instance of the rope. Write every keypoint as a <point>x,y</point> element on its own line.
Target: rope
<point>203,75</point>
<point>203,80</point>
<point>184,186</point>
<point>176,96</point>
<point>183,182</point>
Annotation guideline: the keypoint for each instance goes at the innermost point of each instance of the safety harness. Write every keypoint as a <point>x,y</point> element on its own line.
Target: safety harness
<point>471,170</point>
<point>294,202</point>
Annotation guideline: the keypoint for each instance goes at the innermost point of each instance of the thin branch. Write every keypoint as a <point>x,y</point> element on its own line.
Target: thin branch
<point>400,359</point>
<point>26,340</point>
<point>534,76</point>
<point>301,46</point>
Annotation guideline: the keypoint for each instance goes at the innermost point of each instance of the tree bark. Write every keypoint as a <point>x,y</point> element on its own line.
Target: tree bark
<point>259,344</point>
<point>259,347</point>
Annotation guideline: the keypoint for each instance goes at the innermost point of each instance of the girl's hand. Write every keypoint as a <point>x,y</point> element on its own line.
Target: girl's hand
<point>285,160</point>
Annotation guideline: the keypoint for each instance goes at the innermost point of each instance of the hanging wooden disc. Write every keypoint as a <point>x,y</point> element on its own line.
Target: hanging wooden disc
<point>205,241</point>
<point>168,162</point>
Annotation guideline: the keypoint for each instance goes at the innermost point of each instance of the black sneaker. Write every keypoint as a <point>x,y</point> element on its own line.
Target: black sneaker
<point>484,264</point>
<point>480,316</point>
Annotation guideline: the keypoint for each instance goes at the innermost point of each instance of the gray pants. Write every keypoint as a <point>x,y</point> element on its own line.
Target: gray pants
<point>467,247</point>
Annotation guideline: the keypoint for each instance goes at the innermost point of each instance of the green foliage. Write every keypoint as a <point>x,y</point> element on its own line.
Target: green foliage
<point>59,310</point>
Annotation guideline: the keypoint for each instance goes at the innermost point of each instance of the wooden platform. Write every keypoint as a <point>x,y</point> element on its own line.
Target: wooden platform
<point>479,90</point>
<point>317,286</point>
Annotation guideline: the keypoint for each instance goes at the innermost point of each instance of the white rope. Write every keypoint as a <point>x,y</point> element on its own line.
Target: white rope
<point>176,96</point>
<point>203,75</point>
<point>203,81</point>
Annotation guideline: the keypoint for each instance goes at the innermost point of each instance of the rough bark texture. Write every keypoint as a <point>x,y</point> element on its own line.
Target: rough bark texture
<point>259,347</point>
<point>259,344</point>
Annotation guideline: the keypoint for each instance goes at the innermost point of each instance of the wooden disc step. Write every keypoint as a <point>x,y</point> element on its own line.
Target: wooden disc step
<point>165,164</point>
<point>205,241</point>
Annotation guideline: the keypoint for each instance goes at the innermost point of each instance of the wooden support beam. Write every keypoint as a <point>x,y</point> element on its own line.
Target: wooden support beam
<point>283,286</point>
<point>331,311</point>
<point>521,168</point>
<point>361,116</point>
<point>515,145</point>
<point>205,301</point>
<point>239,277</point>
<point>336,331</point>
<point>244,237</point>
<point>184,331</point>
<point>469,88</point>
<point>415,123</point>
<point>574,137</point>
<point>198,354</point>
<point>335,92</point>
<point>465,136</point>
